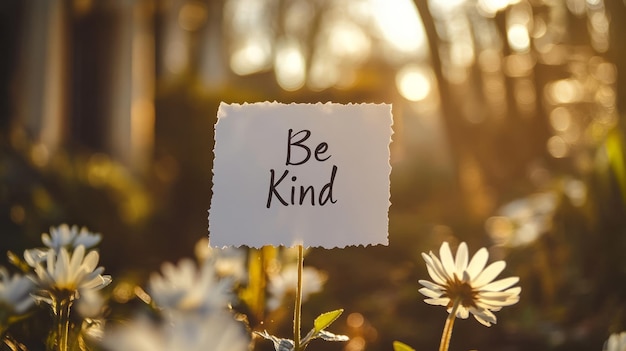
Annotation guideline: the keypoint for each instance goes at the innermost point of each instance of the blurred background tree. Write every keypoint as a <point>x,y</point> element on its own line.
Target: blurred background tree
<point>508,134</point>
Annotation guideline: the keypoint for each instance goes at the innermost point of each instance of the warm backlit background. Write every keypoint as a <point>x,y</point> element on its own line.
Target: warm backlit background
<point>508,134</point>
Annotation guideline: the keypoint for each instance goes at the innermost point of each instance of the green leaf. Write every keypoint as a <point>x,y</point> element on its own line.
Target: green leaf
<point>326,319</point>
<point>400,346</point>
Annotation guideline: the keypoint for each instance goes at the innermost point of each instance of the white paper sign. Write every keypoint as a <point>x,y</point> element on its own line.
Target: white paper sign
<point>311,174</point>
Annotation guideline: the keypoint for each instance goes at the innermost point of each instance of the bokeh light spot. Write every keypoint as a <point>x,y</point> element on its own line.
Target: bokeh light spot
<point>355,320</point>
<point>399,24</point>
<point>356,343</point>
<point>253,57</point>
<point>557,147</point>
<point>560,119</point>
<point>192,15</point>
<point>413,83</point>
<point>290,66</point>
<point>565,91</point>
<point>519,40</point>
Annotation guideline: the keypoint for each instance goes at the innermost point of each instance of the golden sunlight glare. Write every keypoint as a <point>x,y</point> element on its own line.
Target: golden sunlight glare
<point>413,83</point>
<point>290,66</point>
<point>252,57</point>
<point>399,24</point>
<point>491,7</point>
<point>517,35</point>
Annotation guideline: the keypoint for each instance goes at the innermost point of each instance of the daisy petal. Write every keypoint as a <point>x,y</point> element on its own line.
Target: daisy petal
<point>62,267</point>
<point>461,259</point>
<point>494,295</point>
<point>489,274</point>
<point>513,291</point>
<point>51,260</point>
<point>501,284</point>
<point>497,300</point>
<point>430,293</point>
<point>477,263</point>
<point>466,278</point>
<point>484,317</point>
<point>483,312</point>
<point>76,261</point>
<point>462,312</point>
<point>438,267</point>
<point>91,260</point>
<point>45,239</point>
<point>432,271</point>
<point>446,258</point>
<point>430,285</point>
<point>442,301</point>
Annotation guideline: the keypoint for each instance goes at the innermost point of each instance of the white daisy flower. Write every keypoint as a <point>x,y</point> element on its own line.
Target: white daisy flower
<point>469,284</point>
<point>524,220</point>
<point>15,291</point>
<point>616,342</point>
<point>35,256</point>
<point>71,272</point>
<point>228,262</point>
<point>70,237</point>
<point>286,281</point>
<point>217,332</point>
<point>185,287</point>
<point>62,236</point>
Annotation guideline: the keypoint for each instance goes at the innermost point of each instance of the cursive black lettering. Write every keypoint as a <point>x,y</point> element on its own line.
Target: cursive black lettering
<point>273,191</point>
<point>307,134</point>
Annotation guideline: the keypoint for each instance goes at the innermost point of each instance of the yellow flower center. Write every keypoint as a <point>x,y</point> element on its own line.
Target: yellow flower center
<point>457,289</point>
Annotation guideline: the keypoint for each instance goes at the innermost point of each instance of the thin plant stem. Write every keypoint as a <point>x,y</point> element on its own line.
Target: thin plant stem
<point>61,311</point>
<point>447,328</point>
<point>298,306</point>
<point>64,325</point>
